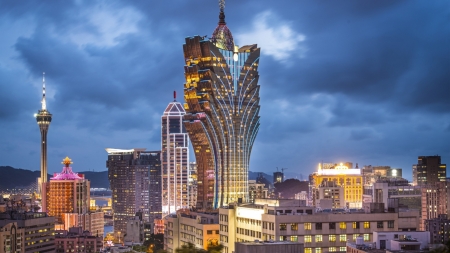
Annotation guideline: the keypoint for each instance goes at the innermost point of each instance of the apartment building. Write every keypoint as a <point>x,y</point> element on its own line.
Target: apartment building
<point>200,229</point>
<point>319,231</point>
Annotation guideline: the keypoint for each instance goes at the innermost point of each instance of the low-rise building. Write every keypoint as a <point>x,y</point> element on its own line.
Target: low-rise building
<point>38,230</point>
<point>77,240</point>
<point>12,238</point>
<point>401,240</point>
<point>200,229</point>
<point>319,231</point>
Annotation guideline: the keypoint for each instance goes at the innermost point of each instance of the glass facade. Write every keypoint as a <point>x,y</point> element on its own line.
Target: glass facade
<point>222,114</point>
<point>175,160</point>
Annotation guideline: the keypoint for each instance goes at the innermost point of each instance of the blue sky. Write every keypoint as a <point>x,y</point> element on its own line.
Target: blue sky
<point>360,81</point>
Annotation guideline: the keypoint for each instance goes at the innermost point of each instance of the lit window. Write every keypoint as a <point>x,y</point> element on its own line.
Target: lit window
<point>318,238</point>
<point>355,236</point>
<point>366,237</point>
<point>294,238</point>
<point>283,226</point>
<point>366,224</point>
<point>332,238</point>
<point>342,249</point>
<point>308,238</point>
<point>342,238</point>
<point>308,250</point>
<point>307,226</point>
<point>318,250</point>
<point>332,249</point>
<point>342,225</point>
<point>356,225</point>
<point>294,226</point>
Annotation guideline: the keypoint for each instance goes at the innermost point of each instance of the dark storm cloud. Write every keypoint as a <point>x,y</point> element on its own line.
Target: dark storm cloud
<point>357,80</point>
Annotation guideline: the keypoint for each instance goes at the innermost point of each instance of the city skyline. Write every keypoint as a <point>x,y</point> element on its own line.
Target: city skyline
<point>374,96</point>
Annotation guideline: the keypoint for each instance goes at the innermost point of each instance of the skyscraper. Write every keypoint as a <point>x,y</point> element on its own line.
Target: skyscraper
<point>429,170</point>
<point>135,181</point>
<point>175,159</point>
<point>43,118</point>
<point>222,107</point>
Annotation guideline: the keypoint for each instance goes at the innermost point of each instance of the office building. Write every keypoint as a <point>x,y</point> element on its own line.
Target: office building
<point>93,222</point>
<point>439,229</point>
<point>135,180</point>
<point>329,195</point>
<point>286,220</point>
<point>350,179</point>
<point>278,177</point>
<point>429,170</point>
<point>43,118</point>
<point>434,201</point>
<point>66,192</point>
<point>35,231</point>
<point>406,195</point>
<point>174,159</point>
<point>222,113</point>
<point>200,229</point>
<point>77,240</point>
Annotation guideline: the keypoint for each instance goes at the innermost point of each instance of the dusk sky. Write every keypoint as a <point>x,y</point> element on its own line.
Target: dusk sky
<point>361,81</point>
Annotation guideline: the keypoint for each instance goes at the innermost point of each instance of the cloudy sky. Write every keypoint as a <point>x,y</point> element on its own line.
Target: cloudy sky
<point>360,81</point>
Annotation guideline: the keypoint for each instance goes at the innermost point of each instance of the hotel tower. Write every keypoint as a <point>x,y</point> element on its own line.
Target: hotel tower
<point>175,159</point>
<point>43,118</point>
<point>222,113</point>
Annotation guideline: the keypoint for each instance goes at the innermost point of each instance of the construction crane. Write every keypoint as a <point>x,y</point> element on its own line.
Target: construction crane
<point>282,171</point>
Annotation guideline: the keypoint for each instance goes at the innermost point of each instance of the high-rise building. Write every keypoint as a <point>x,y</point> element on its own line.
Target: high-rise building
<point>175,159</point>
<point>135,181</point>
<point>222,113</point>
<point>429,170</point>
<point>43,118</point>
<point>278,177</point>
<point>193,182</point>
<point>67,197</point>
<point>66,192</point>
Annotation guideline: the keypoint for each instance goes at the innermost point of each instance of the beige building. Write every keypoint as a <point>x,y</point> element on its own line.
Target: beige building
<point>257,191</point>
<point>12,238</point>
<point>37,230</point>
<point>200,229</point>
<point>93,222</point>
<point>320,232</point>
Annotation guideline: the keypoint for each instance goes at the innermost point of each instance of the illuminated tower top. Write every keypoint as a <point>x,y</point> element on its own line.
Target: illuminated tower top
<point>44,104</point>
<point>222,36</point>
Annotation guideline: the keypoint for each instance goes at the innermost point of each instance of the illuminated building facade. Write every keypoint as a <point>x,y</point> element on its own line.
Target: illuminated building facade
<point>43,118</point>
<point>278,177</point>
<point>193,182</point>
<point>349,179</point>
<point>222,113</point>
<point>175,159</point>
<point>200,229</point>
<point>318,231</point>
<point>135,181</point>
<point>429,170</point>
<point>66,192</point>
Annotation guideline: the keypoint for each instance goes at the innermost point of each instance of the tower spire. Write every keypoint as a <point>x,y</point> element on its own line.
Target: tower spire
<point>222,13</point>
<point>44,104</point>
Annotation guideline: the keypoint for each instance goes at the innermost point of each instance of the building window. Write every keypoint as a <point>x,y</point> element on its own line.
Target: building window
<point>342,225</point>
<point>332,238</point>
<point>308,238</point>
<point>366,237</point>
<point>390,224</point>
<point>355,236</point>
<point>332,225</point>
<point>283,226</point>
<point>308,250</point>
<point>366,224</point>
<point>342,248</point>
<point>294,226</point>
<point>307,226</point>
<point>356,225</point>
<point>379,224</point>
<point>294,238</point>
<point>318,250</point>
<point>209,232</point>
<point>342,238</point>
<point>332,249</point>
<point>318,238</point>
<point>318,226</point>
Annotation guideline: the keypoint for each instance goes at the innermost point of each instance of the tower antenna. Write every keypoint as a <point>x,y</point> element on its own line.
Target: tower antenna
<point>221,5</point>
<point>44,103</point>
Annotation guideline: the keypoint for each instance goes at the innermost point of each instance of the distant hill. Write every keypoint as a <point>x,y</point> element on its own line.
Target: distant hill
<point>254,176</point>
<point>14,178</point>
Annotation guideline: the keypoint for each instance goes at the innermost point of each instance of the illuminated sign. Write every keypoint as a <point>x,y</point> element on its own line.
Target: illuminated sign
<point>250,213</point>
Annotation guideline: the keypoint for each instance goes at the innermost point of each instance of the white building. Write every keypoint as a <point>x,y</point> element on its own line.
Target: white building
<point>401,240</point>
<point>175,160</point>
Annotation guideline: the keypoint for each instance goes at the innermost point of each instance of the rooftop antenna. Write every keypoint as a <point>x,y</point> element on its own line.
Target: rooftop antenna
<point>174,95</point>
<point>44,104</point>
<point>222,13</point>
